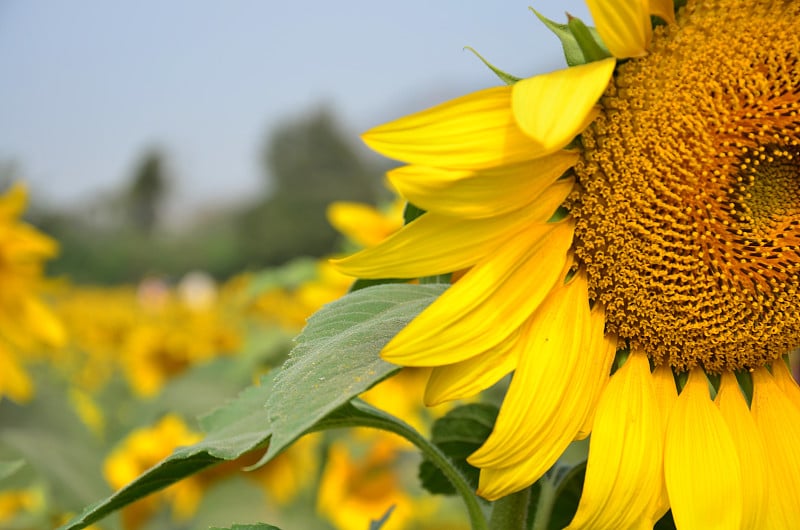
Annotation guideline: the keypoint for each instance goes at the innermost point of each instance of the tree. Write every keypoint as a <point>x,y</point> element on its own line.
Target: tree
<point>311,163</point>
<point>147,192</point>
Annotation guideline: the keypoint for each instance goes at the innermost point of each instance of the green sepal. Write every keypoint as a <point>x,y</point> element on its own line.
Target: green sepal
<point>589,44</point>
<point>411,212</point>
<point>573,47</point>
<point>459,433</point>
<point>505,77</point>
<point>560,214</point>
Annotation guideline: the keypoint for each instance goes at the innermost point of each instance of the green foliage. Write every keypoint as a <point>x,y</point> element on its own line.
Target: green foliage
<point>232,430</point>
<point>147,192</point>
<point>458,434</point>
<point>51,439</point>
<point>335,360</point>
<point>9,468</point>
<point>337,356</point>
<point>308,162</point>
<point>311,163</point>
<point>377,525</point>
<point>259,526</point>
<point>556,495</point>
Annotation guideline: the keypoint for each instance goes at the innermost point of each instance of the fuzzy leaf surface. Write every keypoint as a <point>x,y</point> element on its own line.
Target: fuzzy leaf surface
<point>337,356</point>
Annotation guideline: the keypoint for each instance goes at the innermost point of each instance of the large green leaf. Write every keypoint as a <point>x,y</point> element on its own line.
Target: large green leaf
<point>337,356</point>
<point>336,359</point>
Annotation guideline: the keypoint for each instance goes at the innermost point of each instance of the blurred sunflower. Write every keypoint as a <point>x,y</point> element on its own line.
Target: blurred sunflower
<point>647,201</point>
<point>25,321</point>
<point>362,482</point>
<point>142,449</point>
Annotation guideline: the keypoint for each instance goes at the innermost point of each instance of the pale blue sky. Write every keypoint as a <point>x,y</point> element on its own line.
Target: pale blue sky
<point>88,85</point>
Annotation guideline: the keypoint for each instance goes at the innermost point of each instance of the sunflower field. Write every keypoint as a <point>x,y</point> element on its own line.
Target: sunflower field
<point>580,311</point>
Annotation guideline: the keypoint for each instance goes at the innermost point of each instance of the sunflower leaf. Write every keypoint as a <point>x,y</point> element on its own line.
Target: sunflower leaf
<point>458,434</point>
<point>337,356</point>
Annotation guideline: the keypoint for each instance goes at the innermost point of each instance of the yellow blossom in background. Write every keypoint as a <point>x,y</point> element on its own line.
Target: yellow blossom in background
<point>26,323</point>
<point>289,307</point>
<point>15,502</point>
<point>667,230</point>
<point>364,224</point>
<point>142,449</point>
<point>290,472</point>
<point>173,337</point>
<point>362,481</point>
<point>99,320</point>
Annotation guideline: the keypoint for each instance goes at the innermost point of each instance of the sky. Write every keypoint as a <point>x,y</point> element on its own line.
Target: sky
<point>89,85</point>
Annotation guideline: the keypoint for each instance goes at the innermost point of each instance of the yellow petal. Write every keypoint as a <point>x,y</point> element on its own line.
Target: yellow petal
<point>554,108</point>
<point>27,242</point>
<point>467,378</point>
<point>545,403</point>
<point>666,395</point>
<point>750,448</point>
<point>14,380</point>
<point>623,473</point>
<point>785,381</point>
<point>664,9</point>
<point>601,352</point>
<point>362,223</point>
<point>437,244</point>
<point>476,194</point>
<point>778,421</point>
<point>489,303</point>
<point>624,25</point>
<point>44,323</point>
<point>474,131</point>
<point>13,201</point>
<point>701,466</point>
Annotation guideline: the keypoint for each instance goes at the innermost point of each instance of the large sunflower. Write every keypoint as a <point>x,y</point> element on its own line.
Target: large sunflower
<point>678,162</point>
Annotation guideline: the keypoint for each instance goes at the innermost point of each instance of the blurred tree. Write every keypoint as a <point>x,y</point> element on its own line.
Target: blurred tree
<point>311,163</point>
<point>147,191</point>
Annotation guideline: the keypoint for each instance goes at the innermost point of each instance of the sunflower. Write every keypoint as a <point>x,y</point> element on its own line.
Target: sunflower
<point>26,321</point>
<point>628,230</point>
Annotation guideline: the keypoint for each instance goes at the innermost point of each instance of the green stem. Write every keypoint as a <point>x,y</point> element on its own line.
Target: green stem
<point>511,512</point>
<point>544,507</point>
<point>379,419</point>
